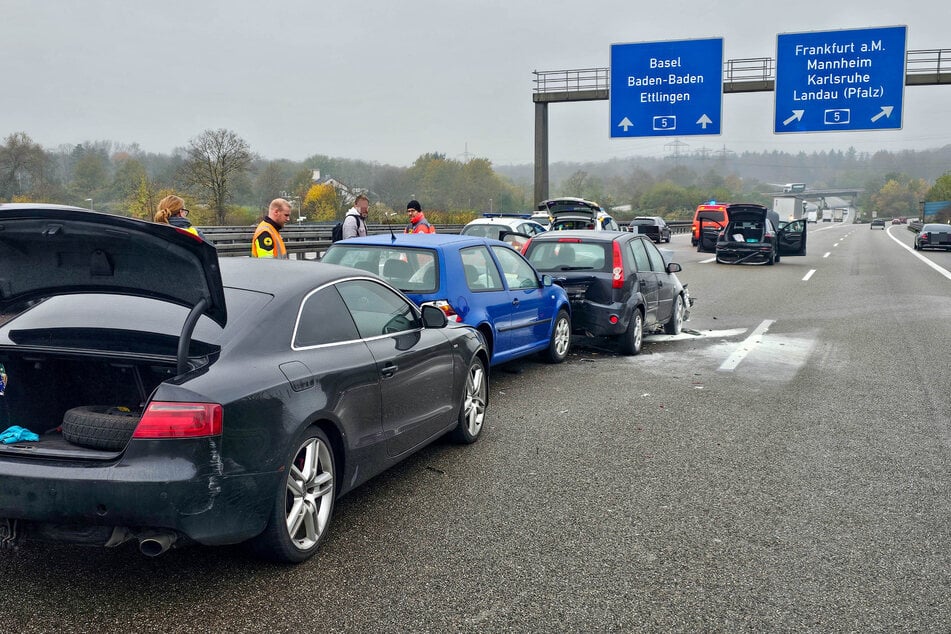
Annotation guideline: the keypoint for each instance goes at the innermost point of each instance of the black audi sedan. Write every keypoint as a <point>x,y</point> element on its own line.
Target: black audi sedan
<point>619,284</point>
<point>171,397</point>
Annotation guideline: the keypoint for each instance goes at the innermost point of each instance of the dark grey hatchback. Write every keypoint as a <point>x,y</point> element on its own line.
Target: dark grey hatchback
<point>181,399</point>
<point>619,283</point>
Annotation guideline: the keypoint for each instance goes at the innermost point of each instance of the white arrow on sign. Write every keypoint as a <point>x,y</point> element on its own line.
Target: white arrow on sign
<point>886,112</point>
<point>704,121</point>
<point>796,116</point>
<point>625,123</point>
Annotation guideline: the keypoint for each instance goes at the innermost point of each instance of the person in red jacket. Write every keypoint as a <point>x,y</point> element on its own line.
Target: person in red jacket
<point>417,221</point>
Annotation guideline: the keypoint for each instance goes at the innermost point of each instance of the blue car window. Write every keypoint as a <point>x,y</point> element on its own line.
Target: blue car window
<point>323,318</point>
<point>480,270</point>
<point>518,273</point>
<point>376,309</point>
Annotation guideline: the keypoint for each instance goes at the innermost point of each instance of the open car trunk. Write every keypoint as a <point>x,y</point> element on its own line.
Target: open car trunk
<point>81,406</point>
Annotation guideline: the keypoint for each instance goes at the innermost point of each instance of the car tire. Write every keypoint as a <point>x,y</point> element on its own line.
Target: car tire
<point>474,399</point>
<point>99,427</point>
<point>772,259</point>
<point>676,322</point>
<point>560,341</point>
<point>777,258</point>
<point>304,502</point>
<point>632,340</point>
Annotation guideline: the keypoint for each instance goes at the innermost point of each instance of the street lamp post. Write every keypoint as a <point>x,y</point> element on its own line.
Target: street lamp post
<point>89,200</point>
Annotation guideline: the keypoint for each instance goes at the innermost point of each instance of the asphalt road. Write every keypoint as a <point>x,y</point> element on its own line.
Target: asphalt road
<point>786,465</point>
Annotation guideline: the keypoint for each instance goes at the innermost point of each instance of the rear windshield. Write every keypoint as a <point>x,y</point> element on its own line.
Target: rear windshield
<point>486,231</point>
<point>712,214</point>
<point>411,270</point>
<point>643,221</point>
<point>569,256</point>
<point>569,225</point>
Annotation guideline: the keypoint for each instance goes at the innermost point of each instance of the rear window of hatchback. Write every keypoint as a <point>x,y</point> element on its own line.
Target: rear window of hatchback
<point>569,256</point>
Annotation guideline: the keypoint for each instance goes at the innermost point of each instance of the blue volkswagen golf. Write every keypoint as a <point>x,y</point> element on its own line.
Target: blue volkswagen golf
<point>476,281</point>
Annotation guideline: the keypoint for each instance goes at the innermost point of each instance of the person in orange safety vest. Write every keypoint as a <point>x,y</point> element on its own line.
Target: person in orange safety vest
<point>267,241</point>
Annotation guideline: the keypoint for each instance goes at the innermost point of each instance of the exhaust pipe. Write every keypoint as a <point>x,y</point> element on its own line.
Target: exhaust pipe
<point>155,543</point>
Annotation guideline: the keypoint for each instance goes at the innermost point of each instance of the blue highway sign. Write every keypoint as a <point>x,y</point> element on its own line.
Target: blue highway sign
<point>836,81</point>
<point>666,88</point>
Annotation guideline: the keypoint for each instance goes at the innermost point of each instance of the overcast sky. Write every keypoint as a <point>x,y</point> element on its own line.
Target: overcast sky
<point>388,80</point>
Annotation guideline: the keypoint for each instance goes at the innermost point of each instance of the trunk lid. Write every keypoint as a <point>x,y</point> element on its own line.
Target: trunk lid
<point>48,250</point>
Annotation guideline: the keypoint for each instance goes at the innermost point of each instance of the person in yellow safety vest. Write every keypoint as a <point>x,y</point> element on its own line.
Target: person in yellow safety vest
<point>171,210</point>
<point>267,241</point>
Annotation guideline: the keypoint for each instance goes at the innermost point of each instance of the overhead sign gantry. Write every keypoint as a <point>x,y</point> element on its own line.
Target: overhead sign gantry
<point>666,88</point>
<point>832,81</point>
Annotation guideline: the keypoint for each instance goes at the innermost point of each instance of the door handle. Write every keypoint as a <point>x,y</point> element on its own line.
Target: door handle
<point>389,370</point>
<point>515,302</point>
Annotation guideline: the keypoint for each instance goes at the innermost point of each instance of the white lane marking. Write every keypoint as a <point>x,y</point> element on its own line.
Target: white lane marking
<point>746,346</point>
<point>827,254</point>
<point>694,334</point>
<point>940,269</point>
<point>835,245</point>
<point>713,259</point>
<point>808,275</point>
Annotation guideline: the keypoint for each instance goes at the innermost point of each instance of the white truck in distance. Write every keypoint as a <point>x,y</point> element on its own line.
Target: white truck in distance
<point>826,215</point>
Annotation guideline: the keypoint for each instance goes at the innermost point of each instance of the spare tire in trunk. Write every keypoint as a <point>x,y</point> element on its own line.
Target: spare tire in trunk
<point>100,426</point>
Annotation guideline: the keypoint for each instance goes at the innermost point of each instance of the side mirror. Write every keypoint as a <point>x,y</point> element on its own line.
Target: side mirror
<point>546,280</point>
<point>673,267</point>
<point>434,317</point>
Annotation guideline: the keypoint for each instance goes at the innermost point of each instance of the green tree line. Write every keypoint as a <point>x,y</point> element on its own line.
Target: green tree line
<point>225,182</point>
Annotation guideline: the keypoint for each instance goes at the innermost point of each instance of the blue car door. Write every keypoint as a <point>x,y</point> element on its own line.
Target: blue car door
<point>532,308</point>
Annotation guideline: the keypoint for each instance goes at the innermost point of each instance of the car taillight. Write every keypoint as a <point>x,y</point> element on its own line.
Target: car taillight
<point>447,308</point>
<point>180,420</point>
<point>525,246</point>
<point>574,240</point>
<point>767,236</point>
<point>924,236</point>
<point>617,268</point>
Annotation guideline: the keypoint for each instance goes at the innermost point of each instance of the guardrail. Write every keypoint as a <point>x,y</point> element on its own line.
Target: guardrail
<point>308,242</point>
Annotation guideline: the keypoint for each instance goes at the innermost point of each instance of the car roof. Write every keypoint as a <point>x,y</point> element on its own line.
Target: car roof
<point>508,221</point>
<point>585,235</point>
<point>52,250</point>
<point>418,241</point>
<point>280,277</point>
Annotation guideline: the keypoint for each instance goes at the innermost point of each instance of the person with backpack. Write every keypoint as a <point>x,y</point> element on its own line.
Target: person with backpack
<point>355,222</point>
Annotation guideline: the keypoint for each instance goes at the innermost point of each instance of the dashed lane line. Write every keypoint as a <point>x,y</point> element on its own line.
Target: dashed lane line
<point>808,275</point>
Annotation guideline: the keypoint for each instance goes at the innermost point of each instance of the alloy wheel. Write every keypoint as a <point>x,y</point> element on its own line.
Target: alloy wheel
<point>473,409</point>
<point>309,496</point>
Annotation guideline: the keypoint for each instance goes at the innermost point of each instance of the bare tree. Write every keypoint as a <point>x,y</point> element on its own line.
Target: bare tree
<point>22,165</point>
<point>213,159</point>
